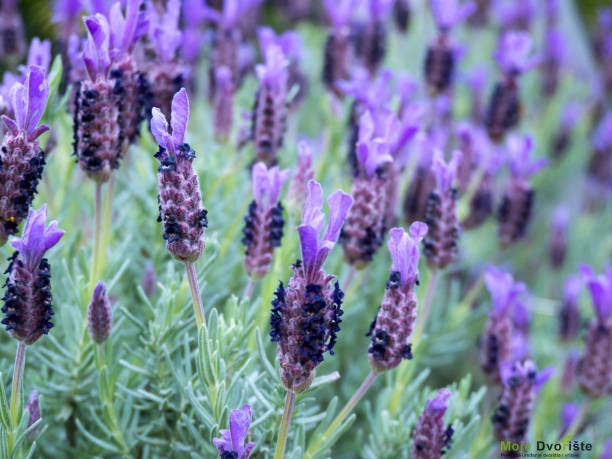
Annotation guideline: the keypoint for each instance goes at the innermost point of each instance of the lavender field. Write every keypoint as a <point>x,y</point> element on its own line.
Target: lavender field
<point>305,229</point>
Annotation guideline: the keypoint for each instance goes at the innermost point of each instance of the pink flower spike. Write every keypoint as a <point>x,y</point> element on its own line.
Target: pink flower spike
<point>37,237</point>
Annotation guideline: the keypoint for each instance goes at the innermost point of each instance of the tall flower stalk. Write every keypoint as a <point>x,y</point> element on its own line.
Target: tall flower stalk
<point>306,314</point>
<point>27,300</point>
<point>180,200</point>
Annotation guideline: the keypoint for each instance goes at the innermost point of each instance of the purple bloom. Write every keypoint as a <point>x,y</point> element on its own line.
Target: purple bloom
<point>37,237</point>
<point>503,289</point>
<point>430,438</point>
<point>96,55</point>
<point>28,101</point>
<point>600,288</point>
<point>39,54</point>
<point>289,42</point>
<point>180,200</point>
<point>316,248</point>
<point>519,152</point>
<point>273,74</point>
<point>231,444</point>
<point>99,314</point>
<point>33,408</point>
<point>372,152</point>
<point>394,321</point>
<point>602,138</point>
<point>339,11</point>
<point>379,9</point>
<point>27,301</point>
<point>164,30</point>
<point>267,184</point>
<point>555,44</point>
<point>448,13</point>
<point>514,53</point>
<point>232,11</point>
<point>445,172</point>
<point>126,29</point>
<point>404,249</point>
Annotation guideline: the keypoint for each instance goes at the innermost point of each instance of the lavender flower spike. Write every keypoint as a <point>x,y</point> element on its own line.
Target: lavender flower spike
<point>180,201</point>
<point>395,318</point>
<point>264,223</point>
<point>231,444</point>
<point>306,315</point>
<point>270,111</point>
<point>430,439</point>
<point>496,339</point>
<point>595,367</point>
<point>448,13</point>
<point>513,414</point>
<point>21,156</point>
<point>99,314</point>
<point>440,245</point>
<point>27,301</point>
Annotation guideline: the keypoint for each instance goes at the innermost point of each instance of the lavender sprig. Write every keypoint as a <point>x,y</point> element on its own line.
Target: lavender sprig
<point>430,438</point>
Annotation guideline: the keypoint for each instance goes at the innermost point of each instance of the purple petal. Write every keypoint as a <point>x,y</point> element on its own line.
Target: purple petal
<point>439,403</point>
<point>159,127</point>
<point>339,11</point>
<point>19,102</point>
<point>404,249</point>
<point>37,94</point>
<point>240,420</point>
<point>312,214</point>
<point>398,250</point>
<point>260,181</point>
<point>10,125</point>
<point>223,444</point>
<point>543,376</point>
<point>40,54</point>
<point>569,413</point>
<point>448,13</point>
<point>96,53</point>
<point>339,204</point>
<point>179,116</point>
<point>513,54</point>
<point>606,452</point>
<point>309,245</point>
<point>37,239</point>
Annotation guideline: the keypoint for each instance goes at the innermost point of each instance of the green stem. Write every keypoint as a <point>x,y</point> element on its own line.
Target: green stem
<point>284,427</point>
<point>95,264</point>
<point>15,408</point>
<point>108,208</point>
<point>348,408</point>
<point>198,308</point>
<point>107,401</point>
<point>248,290</point>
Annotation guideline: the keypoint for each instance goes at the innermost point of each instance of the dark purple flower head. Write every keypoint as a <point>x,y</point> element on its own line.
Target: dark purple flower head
<point>164,30</point>
<point>99,314</point>
<point>126,30</point>
<point>267,184</point>
<point>178,123</point>
<point>514,53</point>
<point>37,237</point>
<point>289,42</point>
<point>602,138</point>
<point>600,288</point>
<point>448,13</point>
<point>445,172</point>
<point>96,55</point>
<point>430,437</point>
<point>404,249</point>
<point>503,289</point>
<point>231,444</point>
<point>28,101</point>
<point>522,165</point>
<point>273,74</point>
<point>339,11</point>
<point>315,247</point>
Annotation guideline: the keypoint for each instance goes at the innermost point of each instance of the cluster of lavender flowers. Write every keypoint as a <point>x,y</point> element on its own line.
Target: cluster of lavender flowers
<point>427,169</point>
